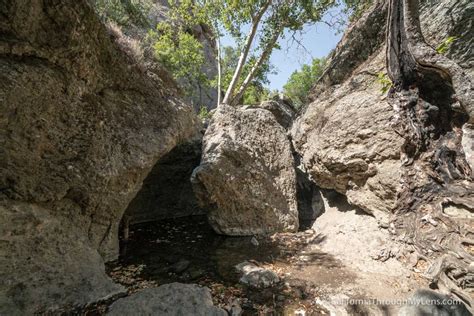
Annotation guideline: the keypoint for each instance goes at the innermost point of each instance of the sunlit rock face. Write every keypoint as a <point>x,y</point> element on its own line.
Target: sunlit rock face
<point>81,127</point>
<point>168,299</point>
<point>344,136</point>
<point>247,179</point>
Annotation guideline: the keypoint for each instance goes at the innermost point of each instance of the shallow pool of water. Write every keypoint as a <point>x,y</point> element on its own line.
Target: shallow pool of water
<point>187,250</point>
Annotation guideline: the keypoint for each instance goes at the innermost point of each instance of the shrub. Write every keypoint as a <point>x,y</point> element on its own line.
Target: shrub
<point>131,47</point>
<point>204,113</point>
<point>180,52</point>
<point>444,46</point>
<point>300,82</point>
<point>384,81</point>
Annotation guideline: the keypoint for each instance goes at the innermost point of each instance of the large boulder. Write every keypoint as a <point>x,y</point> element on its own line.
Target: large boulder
<point>344,137</point>
<point>346,142</point>
<point>173,299</point>
<point>82,124</point>
<point>247,178</point>
<point>281,109</point>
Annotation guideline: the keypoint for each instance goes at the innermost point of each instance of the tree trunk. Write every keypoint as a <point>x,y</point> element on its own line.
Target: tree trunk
<point>228,98</point>
<point>219,69</point>
<point>263,58</point>
<point>432,99</point>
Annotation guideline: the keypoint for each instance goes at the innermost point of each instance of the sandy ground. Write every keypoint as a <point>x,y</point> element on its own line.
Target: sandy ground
<point>346,256</point>
<point>354,258</point>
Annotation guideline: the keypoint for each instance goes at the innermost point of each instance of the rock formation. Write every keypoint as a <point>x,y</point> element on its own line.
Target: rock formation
<point>168,299</point>
<point>247,179</point>
<point>389,155</point>
<point>345,137</point>
<point>283,112</point>
<point>82,124</point>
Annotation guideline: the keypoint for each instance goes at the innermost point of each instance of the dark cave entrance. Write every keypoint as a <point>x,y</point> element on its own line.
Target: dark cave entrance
<point>167,191</point>
<point>310,201</point>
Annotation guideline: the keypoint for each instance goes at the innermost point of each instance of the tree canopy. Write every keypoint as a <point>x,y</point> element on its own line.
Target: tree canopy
<point>255,25</point>
<point>180,52</point>
<point>300,82</point>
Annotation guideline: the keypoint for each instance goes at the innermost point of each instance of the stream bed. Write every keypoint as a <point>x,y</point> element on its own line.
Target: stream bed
<point>187,250</point>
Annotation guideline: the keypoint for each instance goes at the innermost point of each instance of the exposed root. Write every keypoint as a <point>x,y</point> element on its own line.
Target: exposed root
<point>432,99</point>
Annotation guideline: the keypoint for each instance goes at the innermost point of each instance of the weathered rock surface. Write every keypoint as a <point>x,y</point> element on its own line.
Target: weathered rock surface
<point>173,299</point>
<point>283,113</point>
<point>344,136</point>
<point>47,262</point>
<point>346,142</point>
<point>255,276</point>
<point>81,127</point>
<point>247,178</point>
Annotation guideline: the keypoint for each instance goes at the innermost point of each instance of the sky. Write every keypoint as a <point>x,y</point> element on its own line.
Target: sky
<point>317,41</point>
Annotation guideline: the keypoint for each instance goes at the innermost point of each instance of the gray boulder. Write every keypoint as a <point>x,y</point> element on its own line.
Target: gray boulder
<point>255,276</point>
<point>281,109</point>
<point>247,177</point>
<point>173,299</point>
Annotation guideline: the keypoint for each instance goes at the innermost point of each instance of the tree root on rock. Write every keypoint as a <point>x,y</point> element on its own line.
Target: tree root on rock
<point>432,98</point>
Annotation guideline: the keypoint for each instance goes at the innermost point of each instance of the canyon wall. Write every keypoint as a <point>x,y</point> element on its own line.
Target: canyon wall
<point>81,124</point>
<point>345,135</point>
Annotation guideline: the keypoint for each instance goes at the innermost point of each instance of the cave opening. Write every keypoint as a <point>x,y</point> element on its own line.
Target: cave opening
<point>165,237</point>
<point>166,191</point>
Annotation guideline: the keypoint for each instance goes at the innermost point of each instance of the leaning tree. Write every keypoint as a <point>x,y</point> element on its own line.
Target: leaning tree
<point>432,98</point>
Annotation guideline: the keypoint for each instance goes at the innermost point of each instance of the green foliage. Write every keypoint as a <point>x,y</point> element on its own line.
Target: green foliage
<point>189,13</point>
<point>384,81</point>
<point>300,82</point>
<point>255,94</point>
<point>444,46</point>
<point>354,8</point>
<point>124,12</point>
<point>180,52</point>
<point>204,114</point>
<point>235,17</point>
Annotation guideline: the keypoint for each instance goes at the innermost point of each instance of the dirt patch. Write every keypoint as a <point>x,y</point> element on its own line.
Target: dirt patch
<point>345,258</point>
<point>364,262</point>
